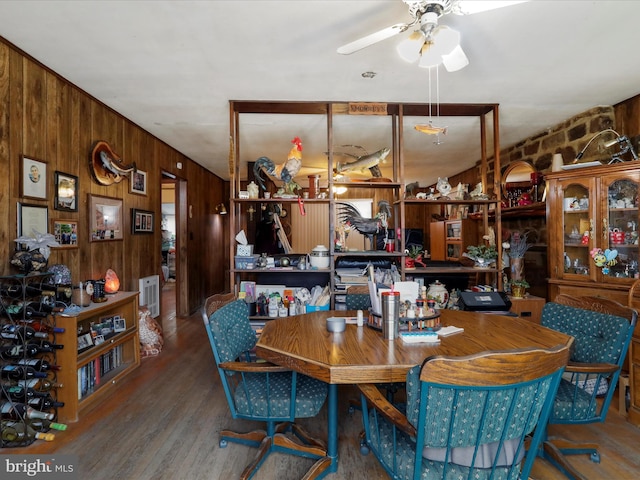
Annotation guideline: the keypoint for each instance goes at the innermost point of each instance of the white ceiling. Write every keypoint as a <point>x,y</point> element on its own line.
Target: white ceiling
<point>172,67</point>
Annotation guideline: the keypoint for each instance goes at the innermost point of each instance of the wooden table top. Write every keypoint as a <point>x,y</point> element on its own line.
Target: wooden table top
<point>362,355</point>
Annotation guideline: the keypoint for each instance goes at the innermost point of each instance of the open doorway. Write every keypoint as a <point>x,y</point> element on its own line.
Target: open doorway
<point>169,250</point>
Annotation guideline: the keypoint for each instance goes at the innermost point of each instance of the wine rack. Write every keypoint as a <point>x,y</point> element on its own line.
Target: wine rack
<point>28,359</point>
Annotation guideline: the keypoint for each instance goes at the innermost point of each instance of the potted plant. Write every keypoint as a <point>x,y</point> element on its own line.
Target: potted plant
<point>482,255</point>
<point>414,254</point>
<point>518,287</point>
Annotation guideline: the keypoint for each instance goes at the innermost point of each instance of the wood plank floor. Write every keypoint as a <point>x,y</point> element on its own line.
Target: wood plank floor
<point>165,420</point>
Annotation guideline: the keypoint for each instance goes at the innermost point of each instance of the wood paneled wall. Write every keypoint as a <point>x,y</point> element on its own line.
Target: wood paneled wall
<point>45,117</point>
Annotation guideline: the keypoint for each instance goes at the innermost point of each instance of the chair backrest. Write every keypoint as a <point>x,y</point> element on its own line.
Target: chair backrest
<point>214,302</point>
<point>358,298</point>
<point>229,331</point>
<point>633,297</point>
<point>602,330</point>
<point>476,411</point>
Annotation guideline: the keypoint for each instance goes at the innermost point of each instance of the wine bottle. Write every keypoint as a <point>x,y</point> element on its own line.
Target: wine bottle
<point>31,290</point>
<point>27,350</point>
<point>41,327</point>
<point>45,345</point>
<point>20,333</point>
<point>44,403</point>
<point>17,431</point>
<point>40,384</point>
<point>18,411</point>
<point>38,364</point>
<point>20,393</point>
<point>43,425</point>
<point>20,372</point>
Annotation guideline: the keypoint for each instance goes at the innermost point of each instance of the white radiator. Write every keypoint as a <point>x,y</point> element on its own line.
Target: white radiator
<point>150,294</point>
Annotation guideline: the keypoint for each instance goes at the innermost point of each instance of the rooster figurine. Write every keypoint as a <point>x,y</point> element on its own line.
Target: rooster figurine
<point>285,171</point>
<point>366,226</point>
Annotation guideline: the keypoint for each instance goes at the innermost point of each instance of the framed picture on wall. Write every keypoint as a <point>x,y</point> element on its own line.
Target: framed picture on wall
<point>66,192</point>
<point>66,233</point>
<point>105,216</point>
<point>141,221</point>
<point>31,219</point>
<point>33,182</point>
<point>138,182</point>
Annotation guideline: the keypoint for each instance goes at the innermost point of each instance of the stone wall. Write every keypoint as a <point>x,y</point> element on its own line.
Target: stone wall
<point>567,138</point>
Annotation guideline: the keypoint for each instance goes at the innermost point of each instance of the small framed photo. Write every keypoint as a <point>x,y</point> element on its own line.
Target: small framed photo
<point>119,324</point>
<point>66,233</point>
<point>138,182</point>
<point>85,341</point>
<point>141,221</point>
<point>66,192</point>
<point>33,178</point>
<point>105,215</point>
<point>32,218</point>
<point>98,340</point>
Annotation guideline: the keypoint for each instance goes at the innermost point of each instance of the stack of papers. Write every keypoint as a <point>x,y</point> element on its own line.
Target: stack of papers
<point>450,330</point>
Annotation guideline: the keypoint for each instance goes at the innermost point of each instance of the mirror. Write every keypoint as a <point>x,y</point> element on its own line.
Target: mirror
<point>516,180</point>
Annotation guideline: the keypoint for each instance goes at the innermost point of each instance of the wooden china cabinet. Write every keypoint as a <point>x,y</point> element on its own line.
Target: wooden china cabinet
<point>593,208</point>
<point>590,210</point>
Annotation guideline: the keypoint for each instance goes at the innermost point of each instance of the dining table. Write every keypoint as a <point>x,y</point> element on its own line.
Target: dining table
<point>360,354</point>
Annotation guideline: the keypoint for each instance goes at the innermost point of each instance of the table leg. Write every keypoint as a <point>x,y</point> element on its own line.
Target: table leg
<point>332,419</point>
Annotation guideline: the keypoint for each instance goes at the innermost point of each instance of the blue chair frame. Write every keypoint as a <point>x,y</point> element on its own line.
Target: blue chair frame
<point>262,391</point>
<point>466,417</point>
<point>602,330</point>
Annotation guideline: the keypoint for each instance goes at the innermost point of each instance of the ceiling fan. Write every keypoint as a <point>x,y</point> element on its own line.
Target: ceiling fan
<point>431,43</point>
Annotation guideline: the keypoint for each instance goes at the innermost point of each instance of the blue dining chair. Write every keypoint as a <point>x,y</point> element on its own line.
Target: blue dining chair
<point>262,391</point>
<point>465,417</point>
<point>602,330</point>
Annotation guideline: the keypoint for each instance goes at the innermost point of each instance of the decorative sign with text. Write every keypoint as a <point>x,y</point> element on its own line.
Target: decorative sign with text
<point>367,108</point>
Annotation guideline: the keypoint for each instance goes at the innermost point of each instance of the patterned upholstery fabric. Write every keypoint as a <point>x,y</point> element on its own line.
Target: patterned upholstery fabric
<point>232,332</point>
<point>358,301</point>
<point>271,396</point>
<point>599,338</point>
<point>260,395</point>
<point>454,418</point>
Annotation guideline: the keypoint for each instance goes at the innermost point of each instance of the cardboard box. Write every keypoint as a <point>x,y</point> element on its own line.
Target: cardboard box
<point>244,250</point>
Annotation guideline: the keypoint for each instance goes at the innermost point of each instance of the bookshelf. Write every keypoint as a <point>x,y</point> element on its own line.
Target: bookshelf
<point>101,347</point>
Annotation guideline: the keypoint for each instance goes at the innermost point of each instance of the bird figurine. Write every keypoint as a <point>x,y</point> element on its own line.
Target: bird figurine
<point>368,227</point>
<point>285,171</point>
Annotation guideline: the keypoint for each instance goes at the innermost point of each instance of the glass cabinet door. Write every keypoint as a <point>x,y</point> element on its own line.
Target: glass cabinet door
<point>578,229</point>
<point>619,244</point>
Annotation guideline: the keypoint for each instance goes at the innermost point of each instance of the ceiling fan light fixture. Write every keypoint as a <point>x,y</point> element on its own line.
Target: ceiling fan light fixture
<point>456,60</point>
<point>444,41</point>
<point>409,49</point>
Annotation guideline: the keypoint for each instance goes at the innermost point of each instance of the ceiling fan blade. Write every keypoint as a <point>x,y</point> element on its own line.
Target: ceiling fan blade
<point>373,38</point>
<point>468,7</point>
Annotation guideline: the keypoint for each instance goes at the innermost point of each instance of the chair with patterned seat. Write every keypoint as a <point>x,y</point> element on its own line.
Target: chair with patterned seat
<point>602,330</point>
<point>465,417</point>
<point>357,297</point>
<point>262,391</point>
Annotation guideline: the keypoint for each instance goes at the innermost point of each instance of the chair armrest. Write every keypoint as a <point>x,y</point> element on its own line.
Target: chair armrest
<point>386,408</point>
<point>575,367</point>
<point>253,367</point>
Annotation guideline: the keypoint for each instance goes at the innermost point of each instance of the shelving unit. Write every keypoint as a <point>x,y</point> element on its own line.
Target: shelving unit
<point>91,371</point>
<point>335,118</point>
